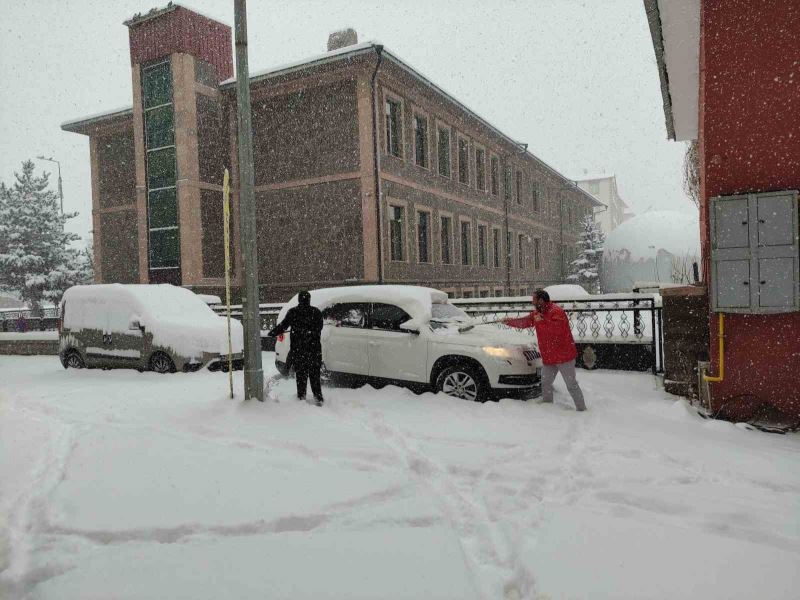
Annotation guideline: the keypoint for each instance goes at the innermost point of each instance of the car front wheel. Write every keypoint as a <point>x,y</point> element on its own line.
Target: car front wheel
<point>161,363</point>
<point>73,360</point>
<point>462,381</point>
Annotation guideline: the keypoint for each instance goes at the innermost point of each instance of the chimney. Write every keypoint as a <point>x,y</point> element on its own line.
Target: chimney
<point>342,39</point>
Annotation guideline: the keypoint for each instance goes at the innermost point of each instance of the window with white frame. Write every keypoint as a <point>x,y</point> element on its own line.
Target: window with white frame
<point>397,233</point>
<point>394,139</point>
<point>480,169</point>
<point>496,248</point>
<point>482,243</point>
<point>446,236</point>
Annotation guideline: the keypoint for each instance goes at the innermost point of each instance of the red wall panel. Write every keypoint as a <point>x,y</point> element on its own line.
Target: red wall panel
<point>749,142</point>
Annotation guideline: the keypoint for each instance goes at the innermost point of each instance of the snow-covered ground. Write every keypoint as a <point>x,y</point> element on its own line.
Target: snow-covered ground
<point>116,484</point>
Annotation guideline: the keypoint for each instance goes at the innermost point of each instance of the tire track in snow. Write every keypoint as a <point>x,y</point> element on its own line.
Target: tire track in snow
<point>27,516</point>
<point>491,560</point>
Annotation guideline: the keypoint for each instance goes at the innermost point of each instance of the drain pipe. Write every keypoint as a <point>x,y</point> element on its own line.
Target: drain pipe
<point>377,160</point>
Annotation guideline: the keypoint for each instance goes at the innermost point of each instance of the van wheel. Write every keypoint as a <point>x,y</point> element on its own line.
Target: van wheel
<point>463,381</point>
<point>161,363</point>
<point>73,360</point>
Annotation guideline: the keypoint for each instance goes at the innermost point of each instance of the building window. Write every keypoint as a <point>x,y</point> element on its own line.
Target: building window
<point>519,187</point>
<point>535,195</point>
<point>594,187</point>
<point>498,293</point>
<point>421,141</point>
<point>520,251</point>
<point>393,132</point>
<point>494,175</point>
<point>446,230</point>
<point>466,243</point>
<point>482,241</point>
<point>463,161</point>
<point>161,170</point>
<point>483,293</point>
<point>443,150</point>
<point>467,294</point>
<point>509,249</point>
<point>480,169</point>
<point>423,236</point>
<point>507,183</point>
<point>537,254</point>
<point>396,233</point>
<point>496,248</point>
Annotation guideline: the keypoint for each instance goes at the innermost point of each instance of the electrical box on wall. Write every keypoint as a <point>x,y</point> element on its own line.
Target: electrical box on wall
<point>755,263</point>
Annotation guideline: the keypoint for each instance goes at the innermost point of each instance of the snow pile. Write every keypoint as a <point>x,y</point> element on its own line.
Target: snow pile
<point>415,300</point>
<point>176,317</point>
<point>123,485</point>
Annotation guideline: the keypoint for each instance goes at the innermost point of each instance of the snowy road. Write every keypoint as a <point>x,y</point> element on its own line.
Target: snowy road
<point>127,485</point>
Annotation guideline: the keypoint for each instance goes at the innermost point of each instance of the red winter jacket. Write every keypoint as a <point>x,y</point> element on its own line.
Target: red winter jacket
<point>553,332</point>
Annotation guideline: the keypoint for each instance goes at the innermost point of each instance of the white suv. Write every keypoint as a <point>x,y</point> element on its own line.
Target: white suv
<point>413,335</point>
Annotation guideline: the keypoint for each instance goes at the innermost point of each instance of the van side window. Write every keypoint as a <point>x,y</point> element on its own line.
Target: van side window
<point>388,316</point>
<point>346,314</point>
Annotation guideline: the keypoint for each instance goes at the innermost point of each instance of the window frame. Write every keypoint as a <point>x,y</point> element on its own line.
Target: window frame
<point>440,127</point>
<point>419,210</point>
<point>394,204</point>
<point>392,98</point>
<point>521,251</point>
<point>497,258</point>
<point>537,253</point>
<point>482,163</point>
<point>519,178</point>
<point>465,164</point>
<point>419,114</point>
<point>494,175</point>
<point>451,219</point>
<point>485,249</point>
<point>535,196</point>
<point>461,222</point>
<point>508,182</point>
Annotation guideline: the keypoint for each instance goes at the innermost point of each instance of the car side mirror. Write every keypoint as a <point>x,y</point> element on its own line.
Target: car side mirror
<point>411,326</point>
<point>135,325</point>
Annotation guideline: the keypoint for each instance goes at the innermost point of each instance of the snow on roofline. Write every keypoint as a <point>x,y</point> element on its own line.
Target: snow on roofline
<point>366,47</point>
<point>75,124</point>
<point>140,18</point>
<point>594,177</point>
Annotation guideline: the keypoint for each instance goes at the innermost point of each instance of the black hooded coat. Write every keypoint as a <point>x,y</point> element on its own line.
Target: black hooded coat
<point>305,323</point>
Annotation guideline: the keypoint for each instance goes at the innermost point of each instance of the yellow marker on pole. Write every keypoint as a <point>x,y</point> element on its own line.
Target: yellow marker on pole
<point>226,219</point>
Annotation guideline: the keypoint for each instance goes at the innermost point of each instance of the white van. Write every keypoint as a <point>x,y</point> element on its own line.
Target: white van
<point>160,328</point>
<point>413,335</point>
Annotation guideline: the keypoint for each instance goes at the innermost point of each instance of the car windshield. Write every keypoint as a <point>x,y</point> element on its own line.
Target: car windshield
<point>444,314</point>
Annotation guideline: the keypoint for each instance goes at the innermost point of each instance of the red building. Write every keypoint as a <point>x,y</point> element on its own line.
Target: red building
<point>730,79</point>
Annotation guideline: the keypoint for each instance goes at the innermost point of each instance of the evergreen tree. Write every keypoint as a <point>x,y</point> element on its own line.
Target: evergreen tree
<point>584,270</point>
<point>36,258</point>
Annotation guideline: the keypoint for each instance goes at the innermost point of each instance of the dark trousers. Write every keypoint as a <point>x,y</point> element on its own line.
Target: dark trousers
<point>305,368</point>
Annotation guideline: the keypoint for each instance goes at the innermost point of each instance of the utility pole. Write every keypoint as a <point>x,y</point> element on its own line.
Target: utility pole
<point>60,188</point>
<point>253,373</point>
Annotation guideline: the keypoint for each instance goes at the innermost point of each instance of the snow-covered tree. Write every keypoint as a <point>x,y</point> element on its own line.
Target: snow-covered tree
<point>584,270</point>
<point>37,260</point>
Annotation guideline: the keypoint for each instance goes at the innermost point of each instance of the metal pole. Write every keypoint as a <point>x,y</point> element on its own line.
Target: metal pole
<point>226,236</point>
<point>253,373</point>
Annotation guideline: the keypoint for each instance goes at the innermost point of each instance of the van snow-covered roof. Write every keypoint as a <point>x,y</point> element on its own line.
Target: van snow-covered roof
<point>415,300</point>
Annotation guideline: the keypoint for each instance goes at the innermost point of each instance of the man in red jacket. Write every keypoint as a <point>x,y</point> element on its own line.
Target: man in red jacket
<point>556,345</point>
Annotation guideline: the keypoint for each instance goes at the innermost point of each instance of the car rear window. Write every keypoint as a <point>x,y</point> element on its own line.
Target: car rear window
<point>388,316</point>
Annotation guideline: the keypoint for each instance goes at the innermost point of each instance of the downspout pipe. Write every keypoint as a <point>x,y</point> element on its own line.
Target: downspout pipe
<point>721,341</point>
<point>376,166</point>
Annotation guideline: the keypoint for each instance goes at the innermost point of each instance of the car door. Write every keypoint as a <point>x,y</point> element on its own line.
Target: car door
<point>344,347</point>
<point>395,353</point>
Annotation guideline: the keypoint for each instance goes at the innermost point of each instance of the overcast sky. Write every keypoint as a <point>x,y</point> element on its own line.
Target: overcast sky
<point>575,79</point>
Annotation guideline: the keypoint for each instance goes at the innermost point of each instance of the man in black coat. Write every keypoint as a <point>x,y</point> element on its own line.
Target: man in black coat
<point>305,323</point>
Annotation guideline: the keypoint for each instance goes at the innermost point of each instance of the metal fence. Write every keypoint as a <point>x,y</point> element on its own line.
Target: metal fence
<point>22,319</point>
<point>622,331</point>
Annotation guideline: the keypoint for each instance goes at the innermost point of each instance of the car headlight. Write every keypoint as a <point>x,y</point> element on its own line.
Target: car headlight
<point>498,351</point>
